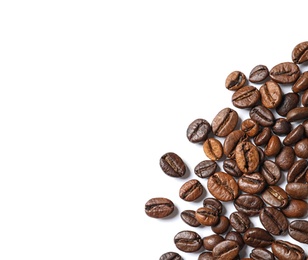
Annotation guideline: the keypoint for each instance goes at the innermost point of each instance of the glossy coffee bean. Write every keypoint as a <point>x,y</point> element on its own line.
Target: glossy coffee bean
<point>230,167</point>
<point>170,256</point>
<point>222,225</point>
<point>172,165</point>
<point>223,186</point>
<point>227,249</point>
<point>205,168</point>
<point>300,53</point>
<point>239,221</point>
<point>237,237</point>
<point>273,220</point>
<point>285,158</point>
<point>301,148</point>
<point>285,250</point>
<point>296,208</point>
<point>198,130</point>
<point>263,137</point>
<point>206,256</point>
<point>188,241</point>
<point>294,136</point>
<point>297,171</point>
<point>250,127</point>
<point>207,215</point>
<point>249,204</point>
<point>212,202</point>
<point>252,183</point>
<point>191,190</point>
<point>258,237</point>
<point>285,72</point>
<point>213,149</point>
<point>288,102</point>
<point>231,141</point>
<point>209,242</point>
<point>273,146</point>
<point>258,74</point>
<point>297,190</point>
<point>235,80</point>
<point>271,94</point>
<point>247,157</point>
<point>262,115</point>
<point>297,114</point>
<point>246,97</point>
<point>301,83</point>
<point>298,229</point>
<point>224,122</point>
<point>275,196</point>
<point>188,216</point>
<point>261,254</point>
<point>271,172</point>
<point>282,127</point>
<point>159,207</point>
<point>304,99</point>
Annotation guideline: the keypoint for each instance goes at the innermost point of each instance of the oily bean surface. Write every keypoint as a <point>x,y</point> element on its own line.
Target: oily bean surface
<point>170,256</point>
<point>230,167</point>
<point>209,242</point>
<point>282,127</point>
<point>227,249</point>
<point>205,168</point>
<point>297,114</point>
<point>222,225</point>
<point>262,115</point>
<point>188,216</point>
<point>296,208</point>
<point>297,190</point>
<point>300,52</point>
<point>224,122</point>
<point>273,221</point>
<point>239,221</point>
<point>263,137</point>
<point>207,215</point>
<point>301,148</point>
<point>261,254</point>
<point>249,204</point>
<point>289,101</point>
<point>285,158</point>
<point>232,140</point>
<point>159,207</point>
<point>285,72</point>
<point>172,165</point>
<point>271,172</point>
<point>198,130</point>
<point>285,250</point>
<point>301,83</point>
<point>258,74</point>
<point>191,190</point>
<point>252,183</point>
<point>275,196</point>
<point>258,237</point>
<point>297,171</point>
<point>188,241</point>
<point>212,202</point>
<point>294,136</point>
<point>237,237</point>
<point>298,229</point>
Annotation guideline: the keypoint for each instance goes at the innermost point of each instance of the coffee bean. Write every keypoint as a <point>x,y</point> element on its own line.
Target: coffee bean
<point>273,146</point>
<point>261,254</point>
<point>285,72</point>
<point>294,136</point>
<point>231,141</point>
<point>188,216</point>
<point>235,80</point>
<point>249,204</point>
<point>227,249</point>
<point>297,114</point>
<point>262,115</point>
<point>273,220</point>
<point>298,229</point>
<point>282,127</point>
<point>263,137</point>
<point>159,207</point>
<point>212,202</point>
<point>296,208</point>
<point>271,94</point>
<point>285,158</point>
<point>209,242</point>
<point>305,125</point>
<point>170,256</point>
<point>205,168</point>
<point>206,256</point>
<point>258,237</point>
<point>213,149</point>
<point>222,225</point>
<point>300,53</point>
<point>275,196</point>
<point>250,127</point>
<point>198,130</point>
<point>285,250</point>
<point>239,221</point>
<point>223,186</point>
<point>172,165</point>
<point>230,167</point>
<point>288,102</point>
<point>301,148</point>
<point>252,183</point>
<point>304,99</point>
<point>258,74</point>
<point>247,157</point>
<point>301,84</point>
<point>191,190</point>
<point>297,190</point>
<point>224,122</point>
<point>271,172</point>
<point>188,241</point>
<point>246,97</point>
<point>237,237</point>
<point>297,171</point>
<point>207,215</point>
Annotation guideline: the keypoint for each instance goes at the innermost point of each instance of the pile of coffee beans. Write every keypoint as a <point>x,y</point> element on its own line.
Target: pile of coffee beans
<point>256,153</point>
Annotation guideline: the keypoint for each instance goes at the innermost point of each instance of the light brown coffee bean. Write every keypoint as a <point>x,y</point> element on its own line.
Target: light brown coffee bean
<point>213,149</point>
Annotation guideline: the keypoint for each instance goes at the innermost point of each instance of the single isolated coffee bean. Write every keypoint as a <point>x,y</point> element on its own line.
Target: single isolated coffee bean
<point>273,220</point>
<point>237,237</point>
<point>239,221</point>
<point>297,190</point>
<point>207,215</point>
<point>227,249</point>
<point>275,196</point>
<point>271,172</point>
<point>271,94</point>
<point>282,127</point>
<point>301,83</point>
<point>301,148</point>
<point>260,253</point>
<point>285,250</point>
<point>262,115</point>
<point>213,149</point>
<point>198,130</point>
<point>249,204</point>
<point>188,216</point>
<point>250,127</point>
<point>285,72</point>
<point>159,207</point>
<point>246,97</point>
<point>297,171</point>
<point>230,167</point>
<point>209,242</point>
<point>285,158</point>
<point>170,256</point>
<point>298,229</point>
<point>296,208</point>
<point>297,114</point>
<point>222,225</point>
<point>288,102</point>
<point>300,52</point>
<point>188,241</point>
<point>294,136</point>
<point>191,190</point>
<point>231,141</point>
<point>252,183</point>
<point>224,122</point>
<point>258,74</point>
<point>212,202</point>
<point>258,237</point>
<point>247,157</point>
<point>172,165</point>
<point>263,137</point>
<point>235,80</point>
<point>205,168</point>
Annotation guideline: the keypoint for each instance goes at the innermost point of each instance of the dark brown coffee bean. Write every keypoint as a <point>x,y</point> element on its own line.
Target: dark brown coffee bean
<point>235,80</point>
<point>301,148</point>
<point>285,158</point>
<point>206,256</point>
<point>300,53</point>
<point>296,209</point>
<point>273,221</point>
<point>223,186</point>
<point>247,157</point>
<point>275,196</point>
<point>282,127</point>
<point>297,114</point>
<point>246,97</point>
<point>298,229</point>
<point>207,215</point>
<point>205,168</point>
<point>222,225</point>
<point>258,74</point>
<point>249,204</point>
<point>209,242</point>
<point>159,207</point>
<point>258,237</point>
<point>188,216</point>
<point>213,149</point>
<point>252,183</point>
<point>262,115</point>
<point>212,202</point>
<point>271,94</point>
<point>172,165</point>
<point>224,122</point>
<point>198,130</point>
<point>170,256</point>
<point>191,190</point>
<point>237,237</point>
<point>294,136</point>
<point>188,241</point>
<point>231,141</point>
<point>273,146</point>
<point>231,168</point>
<point>285,250</point>
<point>263,137</point>
<point>261,155</point>
<point>227,249</point>
<point>271,172</point>
<point>239,221</point>
<point>301,83</point>
<point>250,127</point>
<point>305,125</point>
<point>285,72</point>
<point>261,254</point>
<point>297,190</point>
<point>305,98</point>
<point>297,171</point>
<point>288,102</point>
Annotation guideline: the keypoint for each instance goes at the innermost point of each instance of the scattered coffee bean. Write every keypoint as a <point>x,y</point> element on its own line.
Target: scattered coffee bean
<point>282,127</point>
<point>231,141</point>
<point>235,80</point>
<point>261,254</point>
<point>227,249</point>
<point>206,256</point>
<point>172,165</point>
<point>231,168</point>
<point>212,202</point>
<point>296,208</point>
<point>285,158</point>
<point>246,97</point>
<point>222,225</point>
<point>273,146</point>
<point>271,94</point>
<point>297,171</point>
<point>237,237</point>
<point>298,229</point>
<point>275,196</point>
<point>263,137</point>
<point>191,190</point>
<point>297,114</point>
<point>249,204</point>
<point>262,115</point>
<point>198,130</point>
<point>224,122</point>
<point>159,207</point>
<point>239,221</point>
<point>288,102</point>
<point>209,242</point>
<point>300,53</point>
<point>213,149</point>
<point>250,127</point>
<point>285,250</point>
<point>297,190</point>
<point>271,172</point>
<point>170,256</point>
<point>205,168</point>
<point>273,221</point>
<point>247,157</point>
<point>188,241</point>
<point>285,72</point>
<point>258,74</point>
<point>301,148</point>
<point>188,216</point>
<point>207,215</point>
<point>252,183</point>
<point>258,237</point>
<point>294,136</point>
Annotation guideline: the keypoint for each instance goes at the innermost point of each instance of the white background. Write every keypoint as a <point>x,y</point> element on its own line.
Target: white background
<point>94,92</point>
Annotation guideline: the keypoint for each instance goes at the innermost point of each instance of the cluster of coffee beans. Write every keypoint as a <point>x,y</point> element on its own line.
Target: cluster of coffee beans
<point>255,153</point>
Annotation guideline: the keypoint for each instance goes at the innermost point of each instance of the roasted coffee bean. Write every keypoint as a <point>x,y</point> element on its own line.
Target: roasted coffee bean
<point>209,242</point>
<point>188,241</point>
<point>224,122</point>
<point>159,207</point>
<point>297,171</point>
<point>294,136</point>
<point>231,168</point>
<point>288,102</point>
<point>285,158</point>
<point>297,190</point>
<point>223,186</point>
<point>282,127</point>
<point>273,220</point>
<point>252,183</point>
<point>258,74</point>
<point>296,209</point>
<point>285,72</point>
<point>262,115</point>
<point>305,125</point>
<point>213,149</point>
<point>301,148</point>
<point>275,196</point>
<point>285,250</point>
<point>222,225</point>
<point>198,130</point>
<point>170,256</point>
<point>298,229</point>
<point>246,97</point>
<point>191,190</point>
<point>258,237</point>
<point>301,83</point>
<point>188,216</point>
<point>239,221</point>
<point>305,98</point>
<point>206,256</point>
<point>271,172</point>
<point>271,94</point>
<point>212,202</point>
<point>250,127</point>
<point>273,146</point>
<point>300,53</point>
<point>249,204</point>
<point>227,249</point>
<point>207,215</point>
<point>297,114</point>
<point>231,141</point>
<point>205,168</point>
<point>261,254</point>
<point>172,165</point>
<point>235,80</point>
<point>261,155</point>
<point>237,237</point>
<point>263,137</point>
<point>247,157</point>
